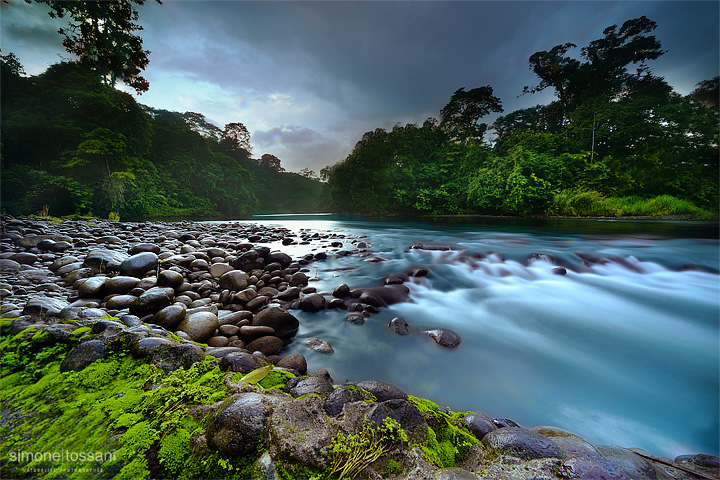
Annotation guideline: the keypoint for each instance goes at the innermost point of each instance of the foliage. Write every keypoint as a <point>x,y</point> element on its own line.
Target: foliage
<point>589,203</point>
<point>613,131</point>
<point>351,454</point>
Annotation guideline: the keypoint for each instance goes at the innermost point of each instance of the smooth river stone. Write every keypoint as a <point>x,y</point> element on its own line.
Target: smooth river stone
<point>200,326</point>
<point>121,284</point>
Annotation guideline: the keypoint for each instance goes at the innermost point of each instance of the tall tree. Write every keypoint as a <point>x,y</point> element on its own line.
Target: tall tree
<point>461,115</point>
<point>102,35</point>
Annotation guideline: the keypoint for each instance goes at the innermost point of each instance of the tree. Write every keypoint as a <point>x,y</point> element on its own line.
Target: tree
<point>101,34</point>
<point>236,138</point>
<point>461,114</point>
<point>12,63</point>
<point>555,70</point>
<point>307,173</point>
<point>271,162</point>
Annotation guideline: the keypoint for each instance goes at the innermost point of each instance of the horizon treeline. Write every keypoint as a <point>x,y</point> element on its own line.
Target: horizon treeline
<point>73,145</point>
<point>612,140</point>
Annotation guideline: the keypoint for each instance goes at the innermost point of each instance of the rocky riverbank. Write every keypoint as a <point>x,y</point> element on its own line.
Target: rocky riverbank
<point>206,308</point>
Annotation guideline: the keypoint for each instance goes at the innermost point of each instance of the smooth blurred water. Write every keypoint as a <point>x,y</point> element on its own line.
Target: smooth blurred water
<point>625,352</point>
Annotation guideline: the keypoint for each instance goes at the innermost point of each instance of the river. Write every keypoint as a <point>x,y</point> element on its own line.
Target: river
<point>623,349</point>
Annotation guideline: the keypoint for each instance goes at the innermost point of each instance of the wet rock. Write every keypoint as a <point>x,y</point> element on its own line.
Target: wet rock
<point>170,358</point>
<point>382,391</point>
<point>120,302</point>
<point>137,265</point>
<point>146,346</point>
<point>83,355</point>
<point>399,325</point>
<point>238,428</point>
<point>92,287</point>
<point>298,279</point>
<point>268,345</point>
<point>7,265</point>
<point>248,261</point>
<point>320,346</point>
<point>200,326</point>
<point>279,257</point>
<point>305,386</point>
<point>444,337</point>
<point>218,269</point>
<point>169,278</point>
<point>218,342</point>
<point>568,442</point>
<point>406,414</point>
<point>44,306</point>
<point>559,271</point>
<point>294,361</point>
<point>120,284</point>
<point>523,443</point>
<point>152,301</point>
<point>479,424</point>
<point>130,320</point>
<point>61,262</point>
<point>104,260</point>
<point>24,258</point>
<point>504,422</point>
<point>342,291</point>
<point>289,294</point>
<point>241,361</point>
<point>234,280</point>
<point>355,319</point>
<point>251,332</point>
<point>453,473</point>
<point>144,247</point>
<point>169,317</point>
<point>284,324</point>
<point>335,402</point>
<point>312,303</point>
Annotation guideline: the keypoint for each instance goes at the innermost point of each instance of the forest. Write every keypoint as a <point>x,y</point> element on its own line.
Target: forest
<point>613,142</point>
<point>616,140</point>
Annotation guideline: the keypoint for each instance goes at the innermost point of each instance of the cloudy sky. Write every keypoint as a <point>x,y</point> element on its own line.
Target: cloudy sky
<point>309,78</point>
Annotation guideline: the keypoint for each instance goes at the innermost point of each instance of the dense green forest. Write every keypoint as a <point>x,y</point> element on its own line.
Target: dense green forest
<point>613,142</point>
<point>72,144</point>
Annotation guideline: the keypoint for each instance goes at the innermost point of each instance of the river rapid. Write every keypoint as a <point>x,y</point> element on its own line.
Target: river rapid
<point>623,349</point>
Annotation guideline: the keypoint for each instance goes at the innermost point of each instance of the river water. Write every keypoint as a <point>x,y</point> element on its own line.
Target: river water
<point>623,349</point>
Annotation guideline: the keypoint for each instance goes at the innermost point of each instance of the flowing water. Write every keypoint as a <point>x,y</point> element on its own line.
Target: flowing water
<point>623,349</point>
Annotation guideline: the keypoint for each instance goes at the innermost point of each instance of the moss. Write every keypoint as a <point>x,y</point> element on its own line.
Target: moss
<point>276,379</point>
<point>297,472</point>
<point>391,468</point>
<point>81,330</point>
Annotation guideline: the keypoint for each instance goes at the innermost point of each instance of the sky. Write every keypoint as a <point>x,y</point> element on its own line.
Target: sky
<point>309,78</point>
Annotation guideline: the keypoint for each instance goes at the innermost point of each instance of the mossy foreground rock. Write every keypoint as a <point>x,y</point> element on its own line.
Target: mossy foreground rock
<point>96,399</point>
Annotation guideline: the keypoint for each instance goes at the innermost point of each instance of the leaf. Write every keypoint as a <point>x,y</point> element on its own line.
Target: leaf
<point>256,375</point>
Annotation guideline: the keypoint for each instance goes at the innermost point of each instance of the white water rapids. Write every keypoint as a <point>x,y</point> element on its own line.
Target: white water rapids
<point>622,350</point>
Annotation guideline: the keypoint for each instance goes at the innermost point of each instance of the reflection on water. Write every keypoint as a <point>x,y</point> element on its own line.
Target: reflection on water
<point>621,350</point>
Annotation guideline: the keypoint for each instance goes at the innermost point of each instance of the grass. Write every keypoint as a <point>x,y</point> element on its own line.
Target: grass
<point>589,203</point>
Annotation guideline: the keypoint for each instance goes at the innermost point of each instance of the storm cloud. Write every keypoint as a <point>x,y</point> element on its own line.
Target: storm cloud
<point>309,78</point>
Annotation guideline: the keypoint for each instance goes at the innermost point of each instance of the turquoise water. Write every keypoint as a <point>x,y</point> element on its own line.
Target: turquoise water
<point>625,351</point>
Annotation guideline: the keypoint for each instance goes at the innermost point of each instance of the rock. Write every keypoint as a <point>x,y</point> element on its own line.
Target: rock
<point>268,345</point>
<point>282,258</point>
<point>91,287</point>
<point>289,294</point>
<point>130,320</point>
<point>284,324</point>
<point>298,279</point>
<point>218,342</point>
<point>312,303</point>
<point>320,346</point>
<point>248,261</point>
<point>335,402</point>
<point>137,265</point>
<point>242,361</point>
<point>218,269</point>
<point>170,358</point>
<point>294,361</point>
<point>234,280</point>
<point>104,260</point>
<point>453,473</point>
<point>24,258</point>
<point>355,319</point>
<point>382,391</point>
<point>144,247</point>
<point>238,428</point>
<point>83,355</point>
<point>399,325</point>
<point>568,442</point>
<point>120,284</point>
<point>169,278</point>
<point>251,332</point>
<point>245,296</point>
<point>120,302</point>
<point>230,330</point>
<point>32,241</point>
<point>152,301</point>
<point>200,325</point>
<point>169,317</point>
<point>479,424</point>
<point>406,414</point>
<point>308,385</point>
<point>146,346</point>
<point>523,443</point>
<point>61,262</point>
<point>44,306</point>
<point>444,337</point>
<point>559,271</point>
<point>7,265</point>
<point>342,291</point>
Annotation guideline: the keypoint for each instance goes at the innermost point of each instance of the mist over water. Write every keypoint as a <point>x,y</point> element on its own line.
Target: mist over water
<point>623,349</point>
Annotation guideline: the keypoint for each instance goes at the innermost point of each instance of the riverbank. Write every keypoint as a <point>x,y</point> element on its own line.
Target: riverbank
<point>154,300</point>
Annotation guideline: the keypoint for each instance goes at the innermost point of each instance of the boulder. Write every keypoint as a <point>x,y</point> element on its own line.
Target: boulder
<point>169,317</point>
<point>406,414</point>
<point>312,303</point>
<point>399,325</point>
<point>83,355</point>
<point>523,443</point>
<point>382,391</point>
<point>102,259</point>
<point>268,345</point>
<point>444,337</point>
<point>294,361</point>
<point>305,386</point>
<point>169,278</point>
<point>44,306</point>
<point>237,429</point>
<point>121,284</point>
<point>284,323</point>
<point>137,265</point>
<point>240,361</point>
<point>234,280</point>
<point>479,424</point>
<point>92,287</point>
<point>152,301</point>
<point>335,402</point>
<point>320,346</point>
<point>200,326</point>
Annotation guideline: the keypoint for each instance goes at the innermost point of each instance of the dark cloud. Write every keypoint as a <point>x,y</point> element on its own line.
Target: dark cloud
<point>291,135</point>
